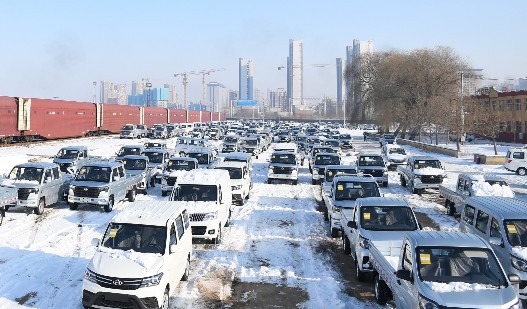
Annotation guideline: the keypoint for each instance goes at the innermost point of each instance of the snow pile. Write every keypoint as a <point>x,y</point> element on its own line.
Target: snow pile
<point>520,252</point>
<point>13,182</point>
<point>146,260</point>
<point>429,171</point>
<point>482,188</point>
<point>441,287</point>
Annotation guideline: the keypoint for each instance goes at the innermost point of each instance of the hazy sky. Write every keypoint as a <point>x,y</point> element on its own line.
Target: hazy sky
<point>59,48</point>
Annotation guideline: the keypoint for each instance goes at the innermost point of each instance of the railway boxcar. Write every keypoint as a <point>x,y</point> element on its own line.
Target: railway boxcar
<point>193,116</point>
<point>178,116</point>
<point>222,117</point>
<point>154,115</point>
<point>8,120</point>
<point>115,116</point>
<point>52,119</point>
<point>205,116</point>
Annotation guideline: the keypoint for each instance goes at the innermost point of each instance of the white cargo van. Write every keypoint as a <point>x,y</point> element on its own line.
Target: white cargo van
<point>516,161</point>
<point>143,254</point>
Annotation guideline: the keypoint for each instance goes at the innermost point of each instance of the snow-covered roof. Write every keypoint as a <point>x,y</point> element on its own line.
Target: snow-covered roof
<point>38,164</point>
<point>80,148</point>
<point>231,164</point>
<point>502,207</point>
<point>445,239</point>
<point>134,146</point>
<point>342,167</point>
<point>414,158</point>
<point>205,177</point>
<point>136,157</point>
<point>236,155</point>
<point>155,213</point>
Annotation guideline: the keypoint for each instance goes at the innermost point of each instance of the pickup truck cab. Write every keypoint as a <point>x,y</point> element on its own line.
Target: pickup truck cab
<point>130,131</point>
<point>71,157</point>
<point>374,165</point>
<point>231,143</point>
<point>252,145</point>
<point>502,222</point>
<point>442,270</point>
<point>209,197</point>
<point>314,151</point>
<point>102,183</point>
<point>346,142</point>
<point>516,161</point>
<point>283,166</point>
<point>238,157</point>
<point>421,172</point>
<point>206,157</point>
<point>160,131</point>
<point>241,180</point>
<point>142,130</point>
<point>387,139</point>
<point>38,185</point>
<point>345,190</point>
<point>156,157</point>
<point>382,221</point>
<point>138,166</point>
<point>173,130</point>
<point>330,171</point>
<point>174,168</point>
<point>155,145</point>
<point>184,144</point>
<point>142,256</point>
<point>127,150</point>
<point>331,142</point>
<point>321,160</point>
<point>472,184</point>
<point>394,155</point>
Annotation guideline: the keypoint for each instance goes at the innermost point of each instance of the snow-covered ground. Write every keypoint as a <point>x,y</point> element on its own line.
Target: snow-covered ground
<point>272,239</point>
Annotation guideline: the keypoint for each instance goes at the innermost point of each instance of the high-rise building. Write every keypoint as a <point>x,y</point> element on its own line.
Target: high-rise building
<point>113,93</point>
<point>522,84</point>
<point>354,53</point>
<point>245,80</point>
<point>172,94</point>
<point>295,77</point>
<point>137,87</point>
<point>278,99</point>
<point>339,84</point>
<point>218,96</point>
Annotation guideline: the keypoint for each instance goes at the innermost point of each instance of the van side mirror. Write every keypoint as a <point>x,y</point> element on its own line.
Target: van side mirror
<point>352,224</point>
<point>95,242</point>
<point>514,278</point>
<point>497,241</point>
<point>403,274</point>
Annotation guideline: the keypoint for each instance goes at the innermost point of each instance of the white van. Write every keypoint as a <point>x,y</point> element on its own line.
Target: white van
<point>209,196</point>
<point>143,254</point>
<point>241,180</point>
<point>516,161</point>
<point>501,221</point>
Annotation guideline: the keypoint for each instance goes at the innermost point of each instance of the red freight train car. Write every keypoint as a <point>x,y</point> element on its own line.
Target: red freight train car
<point>52,119</point>
<point>193,116</point>
<point>222,116</point>
<point>8,119</point>
<point>154,115</point>
<point>178,116</point>
<point>205,116</point>
<point>115,116</point>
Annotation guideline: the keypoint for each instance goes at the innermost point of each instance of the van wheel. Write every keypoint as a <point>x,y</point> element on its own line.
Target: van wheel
<point>164,193</point>
<point>521,171</point>
<point>269,181</point>
<point>412,189</point>
<point>131,195</point>
<point>2,215</point>
<point>381,290</point>
<point>186,274</point>
<point>217,240</point>
<point>74,206</point>
<point>152,182</point>
<point>166,300</point>
<point>326,216</point>
<point>334,233</point>
<point>403,181</point>
<point>295,182</point>
<point>109,207</point>
<point>40,208</point>
<point>450,209</point>
<point>6,208</point>
<point>385,184</point>
<point>346,245</point>
<point>359,274</point>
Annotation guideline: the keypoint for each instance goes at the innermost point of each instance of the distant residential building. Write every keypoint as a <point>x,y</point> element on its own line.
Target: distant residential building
<point>172,94</point>
<point>339,83</point>
<point>245,79</point>
<point>354,88</point>
<point>295,74</point>
<point>157,97</point>
<point>522,84</point>
<point>137,87</point>
<point>278,99</point>
<point>113,93</point>
<point>218,96</point>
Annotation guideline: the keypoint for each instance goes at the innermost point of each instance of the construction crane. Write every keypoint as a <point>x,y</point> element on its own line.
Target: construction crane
<point>203,73</point>
<point>185,82</point>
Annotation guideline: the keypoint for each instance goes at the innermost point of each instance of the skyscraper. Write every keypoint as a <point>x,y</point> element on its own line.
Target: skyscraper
<point>354,88</point>
<point>137,87</point>
<point>339,84</point>
<point>245,80</point>
<point>218,96</point>
<point>172,94</point>
<point>295,77</point>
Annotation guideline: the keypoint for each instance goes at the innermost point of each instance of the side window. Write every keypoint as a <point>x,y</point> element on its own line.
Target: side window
<point>482,220</point>
<point>121,171</point>
<point>466,188</point>
<point>115,174</point>
<point>186,219</point>
<point>179,226</point>
<point>56,173</point>
<point>173,236</point>
<point>460,184</point>
<point>47,174</point>
<point>407,258</point>
<point>468,215</point>
<point>518,155</point>
<point>495,228</point>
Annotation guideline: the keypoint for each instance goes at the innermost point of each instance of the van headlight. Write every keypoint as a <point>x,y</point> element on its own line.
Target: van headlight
<point>90,276</point>
<point>104,189</point>
<point>210,216</point>
<point>33,190</point>
<point>364,242</point>
<point>151,281</point>
<point>425,303</point>
<point>72,187</point>
<point>518,263</point>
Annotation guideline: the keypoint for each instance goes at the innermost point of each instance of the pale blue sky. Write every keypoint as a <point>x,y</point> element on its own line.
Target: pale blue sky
<point>58,48</point>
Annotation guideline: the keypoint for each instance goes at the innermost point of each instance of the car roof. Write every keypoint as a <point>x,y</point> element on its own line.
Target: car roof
<point>328,167</point>
<point>133,146</point>
<point>157,150</point>
<point>445,239</point>
<point>236,155</point>
<point>479,176</point>
<point>111,164</point>
<point>235,164</point>
<point>413,158</point>
<point>382,201</point>
<point>183,159</point>
<point>75,148</point>
<point>503,207</point>
<point>350,178</point>
<point>38,164</point>
<point>136,157</point>
<point>155,213</point>
<point>203,176</point>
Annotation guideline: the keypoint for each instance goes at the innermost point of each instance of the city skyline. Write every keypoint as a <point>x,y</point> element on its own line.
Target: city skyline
<point>76,44</point>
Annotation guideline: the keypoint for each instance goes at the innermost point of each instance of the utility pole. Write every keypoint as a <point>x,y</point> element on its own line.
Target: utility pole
<point>94,92</point>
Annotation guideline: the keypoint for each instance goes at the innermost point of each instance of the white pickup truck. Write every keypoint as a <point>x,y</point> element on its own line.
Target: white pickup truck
<point>70,158</point>
<point>472,184</point>
<point>442,270</point>
<point>382,221</point>
<point>421,172</point>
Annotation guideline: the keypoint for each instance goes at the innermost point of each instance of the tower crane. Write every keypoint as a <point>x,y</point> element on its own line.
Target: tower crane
<point>185,82</point>
<point>203,73</point>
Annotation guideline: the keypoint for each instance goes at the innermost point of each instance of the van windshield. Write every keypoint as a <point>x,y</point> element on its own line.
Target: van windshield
<point>140,238</point>
<point>94,173</point>
<point>371,161</point>
<point>332,143</point>
<point>128,128</point>
<point>154,157</point>
<point>327,160</point>
<point>26,173</point>
<point>427,163</point>
<point>180,165</point>
<point>129,151</point>
<point>516,231</point>
<point>397,150</point>
<point>196,193</point>
<point>376,218</point>
<point>330,173</point>
<point>284,158</point>
<point>202,158</point>
<point>67,154</point>
<point>231,139</point>
<point>355,190</point>
<point>450,264</point>
<point>234,172</point>
<point>134,164</point>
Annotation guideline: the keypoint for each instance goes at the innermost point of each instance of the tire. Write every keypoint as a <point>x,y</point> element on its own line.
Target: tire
<point>152,182</point>
<point>109,207</point>
<point>241,201</point>
<point>346,244</point>
<point>334,233</point>
<point>40,208</point>
<point>6,208</point>
<point>74,206</point>
<point>412,189</point>
<point>450,208</point>
<point>2,215</point>
<point>381,290</point>
<point>131,195</point>
<point>186,274</point>
<point>166,300</point>
<point>269,181</point>
<point>313,182</point>
<point>359,274</point>
<point>295,182</point>
<point>521,171</point>
<point>164,193</point>
<point>248,196</point>
<point>326,216</point>
<point>385,184</point>
<point>217,240</point>
<point>403,181</point>
<point>228,222</point>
